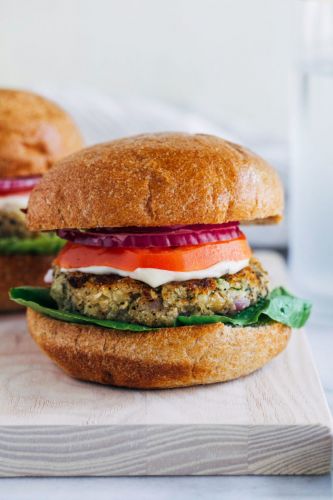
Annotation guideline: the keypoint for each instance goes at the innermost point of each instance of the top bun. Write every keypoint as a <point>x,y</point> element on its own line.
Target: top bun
<point>156,180</point>
<point>34,133</point>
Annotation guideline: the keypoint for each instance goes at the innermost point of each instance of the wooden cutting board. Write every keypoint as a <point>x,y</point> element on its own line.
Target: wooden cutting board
<point>275,421</point>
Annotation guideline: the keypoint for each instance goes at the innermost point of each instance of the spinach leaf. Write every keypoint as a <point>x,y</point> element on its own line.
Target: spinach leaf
<point>40,300</point>
<point>279,306</point>
<point>287,309</point>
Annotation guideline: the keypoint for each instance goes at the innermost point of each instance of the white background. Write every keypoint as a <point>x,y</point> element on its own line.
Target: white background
<point>228,59</point>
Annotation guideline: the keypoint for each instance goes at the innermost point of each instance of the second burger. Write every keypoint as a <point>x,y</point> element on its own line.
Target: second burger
<point>34,133</point>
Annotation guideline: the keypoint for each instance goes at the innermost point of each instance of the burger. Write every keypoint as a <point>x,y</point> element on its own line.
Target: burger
<point>157,286</point>
<point>34,133</point>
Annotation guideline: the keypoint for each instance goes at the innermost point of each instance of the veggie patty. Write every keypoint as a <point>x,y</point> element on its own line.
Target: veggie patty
<point>128,300</point>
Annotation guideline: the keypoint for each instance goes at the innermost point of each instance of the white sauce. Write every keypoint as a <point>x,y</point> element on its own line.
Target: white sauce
<point>14,201</point>
<point>48,278</point>
<point>156,277</point>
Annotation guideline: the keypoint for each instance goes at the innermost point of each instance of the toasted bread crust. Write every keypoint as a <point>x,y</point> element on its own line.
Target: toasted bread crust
<point>17,270</point>
<point>34,133</point>
<point>155,180</point>
<point>172,357</point>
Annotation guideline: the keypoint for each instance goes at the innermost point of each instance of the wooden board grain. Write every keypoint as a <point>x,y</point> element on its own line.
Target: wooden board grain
<point>275,421</point>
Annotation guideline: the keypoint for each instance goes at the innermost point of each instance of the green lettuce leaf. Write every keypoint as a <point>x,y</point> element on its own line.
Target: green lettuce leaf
<point>280,306</point>
<point>43,244</point>
<point>287,308</point>
<point>40,300</point>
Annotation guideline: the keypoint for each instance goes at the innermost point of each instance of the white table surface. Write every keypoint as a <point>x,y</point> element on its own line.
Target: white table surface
<point>189,488</point>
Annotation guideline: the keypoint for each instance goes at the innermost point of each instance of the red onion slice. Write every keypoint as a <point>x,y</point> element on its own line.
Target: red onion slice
<point>18,184</point>
<point>150,237</point>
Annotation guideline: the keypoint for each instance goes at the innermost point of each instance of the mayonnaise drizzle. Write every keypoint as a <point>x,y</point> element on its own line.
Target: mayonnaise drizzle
<point>156,277</point>
<point>14,201</point>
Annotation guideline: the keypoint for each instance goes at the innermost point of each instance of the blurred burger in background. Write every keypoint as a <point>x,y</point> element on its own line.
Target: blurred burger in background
<point>34,133</point>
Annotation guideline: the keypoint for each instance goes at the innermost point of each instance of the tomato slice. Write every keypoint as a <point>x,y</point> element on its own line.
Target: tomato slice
<point>188,258</point>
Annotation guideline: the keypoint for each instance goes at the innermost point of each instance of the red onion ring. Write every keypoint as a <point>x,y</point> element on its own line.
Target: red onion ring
<point>18,184</point>
<point>149,237</point>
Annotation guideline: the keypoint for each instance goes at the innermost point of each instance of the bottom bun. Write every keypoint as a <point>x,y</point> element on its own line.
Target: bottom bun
<point>18,270</point>
<point>172,357</point>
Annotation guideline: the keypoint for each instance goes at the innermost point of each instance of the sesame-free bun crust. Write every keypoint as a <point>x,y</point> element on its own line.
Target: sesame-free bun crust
<point>34,133</point>
<point>156,180</point>
<point>172,357</point>
<point>17,270</point>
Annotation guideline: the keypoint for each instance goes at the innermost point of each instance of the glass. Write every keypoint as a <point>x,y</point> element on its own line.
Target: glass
<point>311,183</point>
